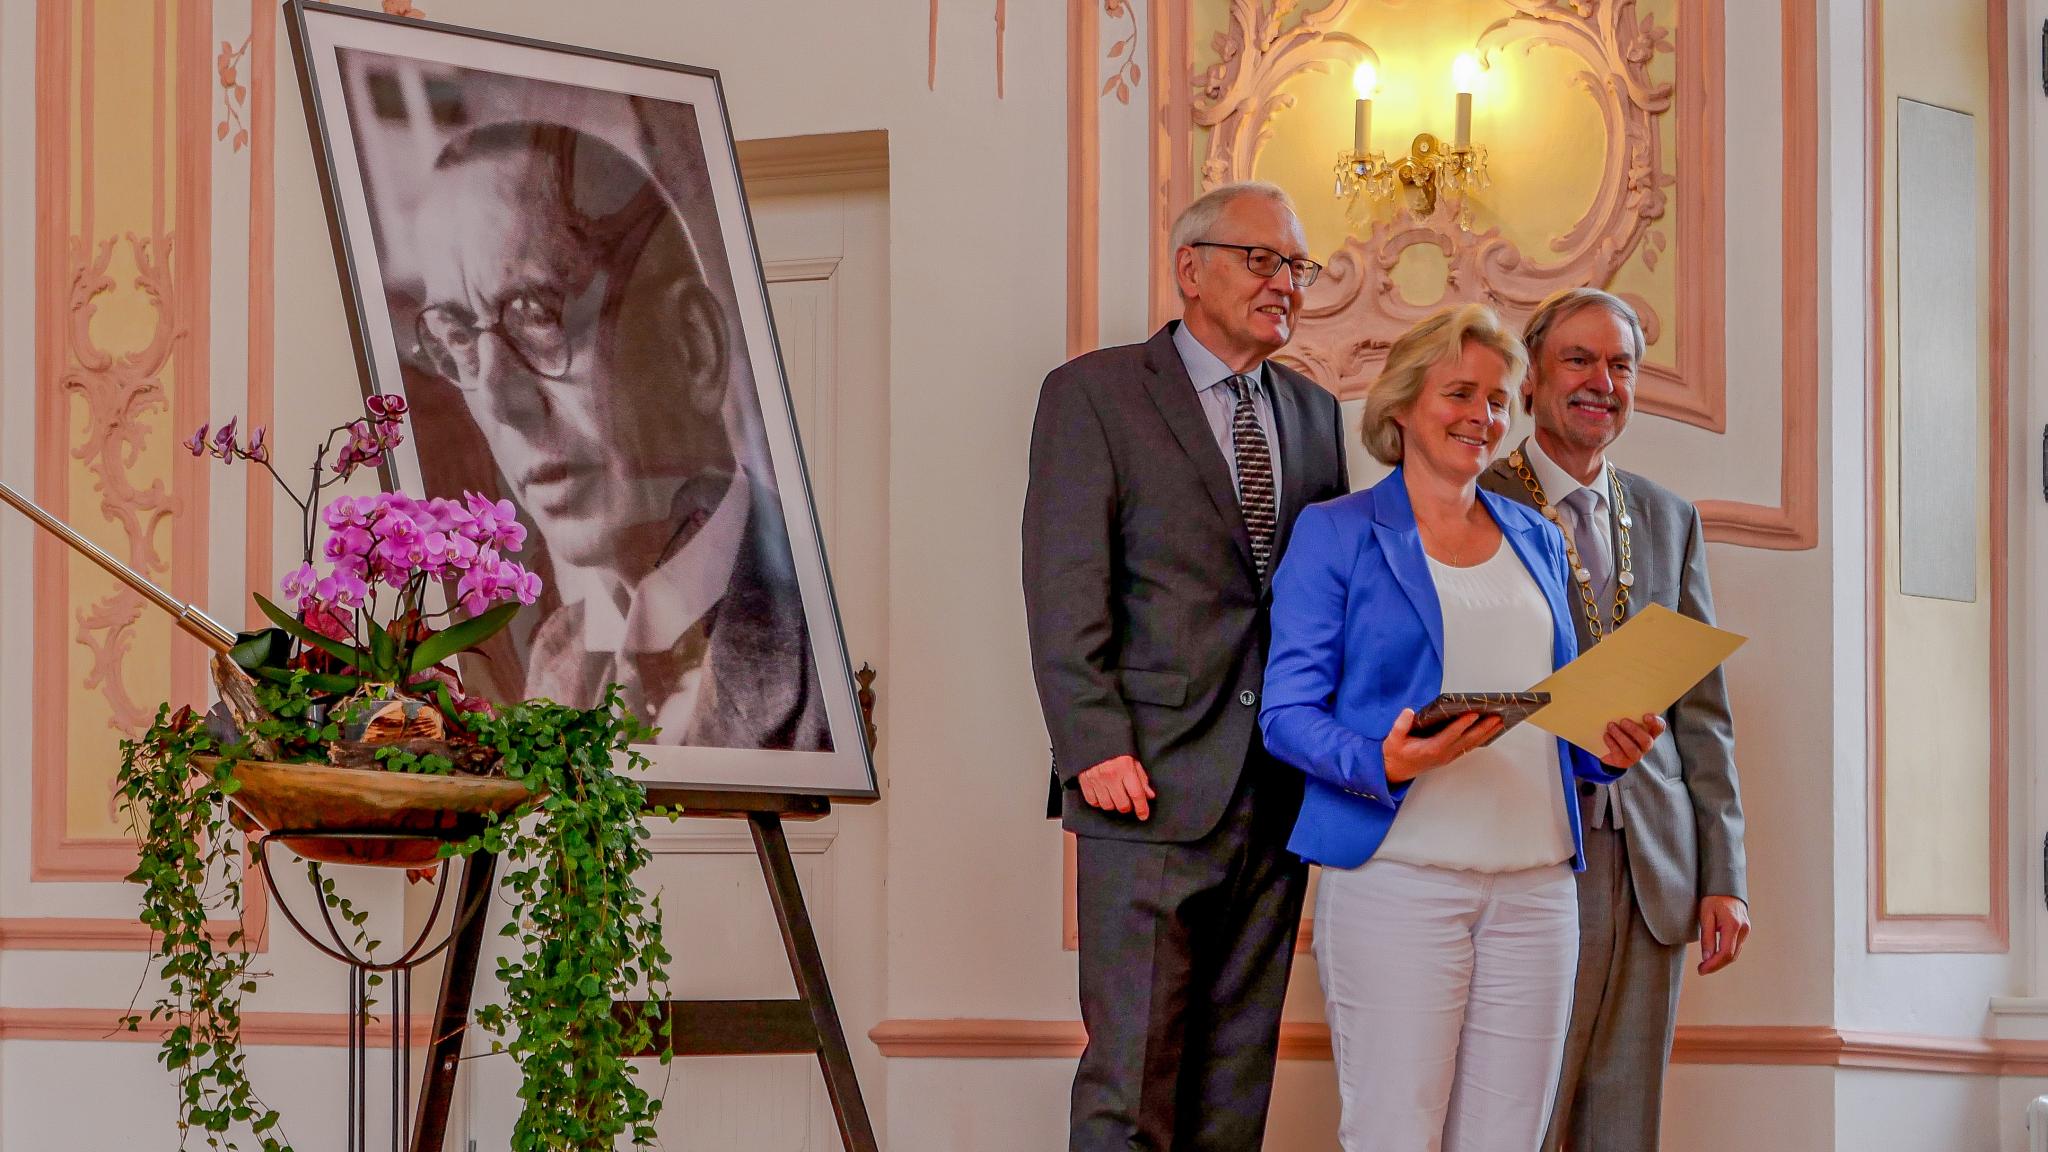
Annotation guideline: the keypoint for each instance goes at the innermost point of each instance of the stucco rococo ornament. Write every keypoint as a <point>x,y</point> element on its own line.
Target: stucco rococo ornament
<point>120,391</point>
<point>1354,312</point>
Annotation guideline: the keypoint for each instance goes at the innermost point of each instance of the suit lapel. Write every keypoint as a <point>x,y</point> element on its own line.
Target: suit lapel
<point>1167,382</point>
<point>757,667</point>
<point>1289,425</point>
<point>1401,543</point>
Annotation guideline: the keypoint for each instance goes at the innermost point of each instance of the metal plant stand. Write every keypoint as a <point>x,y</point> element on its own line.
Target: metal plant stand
<point>363,968</point>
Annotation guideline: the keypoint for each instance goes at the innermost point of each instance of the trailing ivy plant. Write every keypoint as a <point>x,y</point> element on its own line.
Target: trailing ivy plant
<point>588,933</point>
<point>186,868</point>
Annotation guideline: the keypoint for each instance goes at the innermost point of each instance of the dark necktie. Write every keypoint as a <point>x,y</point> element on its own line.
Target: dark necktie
<point>1254,475</point>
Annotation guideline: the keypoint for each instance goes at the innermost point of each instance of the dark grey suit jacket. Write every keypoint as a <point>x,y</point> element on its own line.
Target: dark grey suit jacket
<point>1148,621</point>
<point>1681,808</point>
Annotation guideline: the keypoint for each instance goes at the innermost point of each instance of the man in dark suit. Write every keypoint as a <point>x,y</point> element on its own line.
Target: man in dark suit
<point>1664,856</point>
<point>1165,477</point>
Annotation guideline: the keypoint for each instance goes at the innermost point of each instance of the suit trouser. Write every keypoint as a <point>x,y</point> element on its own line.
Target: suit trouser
<point>1611,1092</point>
<point>1447,994</point>
<point>1185,952</point>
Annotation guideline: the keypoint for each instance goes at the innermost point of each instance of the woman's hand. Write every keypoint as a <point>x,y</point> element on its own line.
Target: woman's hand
<point>1408,756</point>
<point>1629,741</point>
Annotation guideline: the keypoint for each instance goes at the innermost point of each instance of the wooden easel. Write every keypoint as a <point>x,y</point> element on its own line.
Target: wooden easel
<point>807,1023</point>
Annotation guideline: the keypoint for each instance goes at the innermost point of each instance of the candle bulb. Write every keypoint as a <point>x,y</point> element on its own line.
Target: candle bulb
<point>1464,76</point>
<point>1362,80</point>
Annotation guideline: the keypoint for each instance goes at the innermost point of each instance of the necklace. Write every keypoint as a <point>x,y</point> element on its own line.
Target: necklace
<point>1625,576</point>
<point>1455,557</point>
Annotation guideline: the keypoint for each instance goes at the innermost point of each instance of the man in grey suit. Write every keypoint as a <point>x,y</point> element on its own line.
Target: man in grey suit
<point>1164,479</point>
<point>1664,858</point>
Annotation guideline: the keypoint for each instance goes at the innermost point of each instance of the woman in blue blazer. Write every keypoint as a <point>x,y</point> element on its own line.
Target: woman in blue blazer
<point>1446,915</point>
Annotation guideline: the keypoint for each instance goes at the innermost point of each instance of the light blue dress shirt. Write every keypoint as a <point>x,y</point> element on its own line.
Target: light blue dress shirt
<point>1219,403</point>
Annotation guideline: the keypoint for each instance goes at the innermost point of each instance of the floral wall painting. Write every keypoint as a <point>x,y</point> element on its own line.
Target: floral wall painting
<point>548,256</point>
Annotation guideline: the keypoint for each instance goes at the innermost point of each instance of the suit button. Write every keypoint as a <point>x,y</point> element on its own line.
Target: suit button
<point>1247,697</point>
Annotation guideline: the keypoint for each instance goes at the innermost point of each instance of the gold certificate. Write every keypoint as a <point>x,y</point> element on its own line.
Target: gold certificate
<point>1642,668</point>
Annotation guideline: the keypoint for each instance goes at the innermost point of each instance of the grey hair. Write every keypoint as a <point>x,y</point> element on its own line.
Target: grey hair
<point>1197,220</point>
<point>1563,305</point>
<point>1442,336</point>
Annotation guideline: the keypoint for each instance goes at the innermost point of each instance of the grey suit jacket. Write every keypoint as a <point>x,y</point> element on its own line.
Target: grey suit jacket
<point>1148,621</point>
<point>1681,807</point>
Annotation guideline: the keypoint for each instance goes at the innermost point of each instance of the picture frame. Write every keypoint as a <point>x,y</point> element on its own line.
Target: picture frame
<point>546,250</point>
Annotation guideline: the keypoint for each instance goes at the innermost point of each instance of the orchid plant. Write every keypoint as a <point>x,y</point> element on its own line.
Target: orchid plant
<point>365,605</point>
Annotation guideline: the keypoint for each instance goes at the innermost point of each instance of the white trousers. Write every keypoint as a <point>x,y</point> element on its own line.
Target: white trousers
<point>1447,994</point>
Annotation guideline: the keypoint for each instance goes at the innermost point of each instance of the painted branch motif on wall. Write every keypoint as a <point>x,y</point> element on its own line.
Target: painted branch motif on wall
<point>1355,310</point>
<point>1124,52</point>
<point>234,94</point>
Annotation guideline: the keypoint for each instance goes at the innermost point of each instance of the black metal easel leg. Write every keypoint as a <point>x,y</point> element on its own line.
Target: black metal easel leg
<point>835,1060</point>
<point>451,1015</point>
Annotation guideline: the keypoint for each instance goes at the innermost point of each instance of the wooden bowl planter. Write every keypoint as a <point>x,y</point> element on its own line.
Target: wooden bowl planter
<point>403,818</point>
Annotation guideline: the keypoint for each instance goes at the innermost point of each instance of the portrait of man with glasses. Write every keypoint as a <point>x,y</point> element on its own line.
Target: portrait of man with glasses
<point>551,281</point>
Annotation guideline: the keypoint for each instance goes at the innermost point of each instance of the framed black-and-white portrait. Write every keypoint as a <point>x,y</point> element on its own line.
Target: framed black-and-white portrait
<point>547,252</point>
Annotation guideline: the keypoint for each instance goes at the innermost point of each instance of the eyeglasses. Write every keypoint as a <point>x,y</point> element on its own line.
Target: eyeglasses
<point>1264,262</point>
<point>538,323</point>
<point>528,320</point>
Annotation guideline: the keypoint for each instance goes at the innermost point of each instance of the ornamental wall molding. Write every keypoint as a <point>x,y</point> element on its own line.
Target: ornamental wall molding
<point>120,392</point>
<point>1354,311</point>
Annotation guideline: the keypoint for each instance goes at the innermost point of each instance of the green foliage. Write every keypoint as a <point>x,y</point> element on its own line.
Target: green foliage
<point>460,636</point>
<point>186,871</point>
<point>588,933</point>
<point>349,655</point>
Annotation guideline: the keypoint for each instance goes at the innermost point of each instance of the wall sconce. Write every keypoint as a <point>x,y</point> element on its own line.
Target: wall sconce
<point>1429,169</point>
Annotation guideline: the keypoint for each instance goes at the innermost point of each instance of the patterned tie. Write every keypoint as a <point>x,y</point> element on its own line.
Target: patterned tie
<point>1594,549</point>
<point>1254,475</point>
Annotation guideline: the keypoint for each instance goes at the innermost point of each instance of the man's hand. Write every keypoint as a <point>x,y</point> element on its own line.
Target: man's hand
<point>1724,925</point>
<point>1118,785</point>
<point>1628,741</point>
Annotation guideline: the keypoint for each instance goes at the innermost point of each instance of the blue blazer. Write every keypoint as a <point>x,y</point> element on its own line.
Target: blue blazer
<point>1358,635</point>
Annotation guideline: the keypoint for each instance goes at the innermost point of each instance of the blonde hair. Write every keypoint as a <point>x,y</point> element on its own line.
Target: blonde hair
<point>1443,336</point>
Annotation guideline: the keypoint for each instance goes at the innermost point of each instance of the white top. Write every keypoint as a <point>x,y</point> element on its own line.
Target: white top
<point>1499,808</point>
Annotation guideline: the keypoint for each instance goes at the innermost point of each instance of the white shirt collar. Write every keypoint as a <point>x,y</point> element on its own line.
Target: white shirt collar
<point>1205,368</point>
<point>674,597</point>
<point>1557,483</point>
